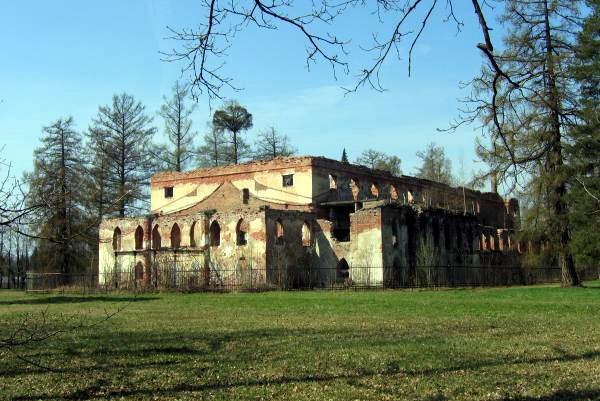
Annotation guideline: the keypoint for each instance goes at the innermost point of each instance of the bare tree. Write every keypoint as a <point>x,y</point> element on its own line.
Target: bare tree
<point>271,144</point>
<point>435,165</point>
<point>201,50</point>
<point>213,152</point>
<point>378,160</point>
<point>178,127</point>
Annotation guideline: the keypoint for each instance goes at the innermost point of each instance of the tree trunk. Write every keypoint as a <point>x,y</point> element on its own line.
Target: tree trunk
<point>569,276</point>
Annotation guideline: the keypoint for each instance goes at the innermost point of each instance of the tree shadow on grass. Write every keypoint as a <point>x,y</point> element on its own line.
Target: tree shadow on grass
<point>561,395</point>
<point>214,342</point>
<point>75,299</point>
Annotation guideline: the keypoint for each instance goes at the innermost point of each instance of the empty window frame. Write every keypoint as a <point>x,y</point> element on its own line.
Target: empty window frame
<point>306,234</point>
<point>215,234</point>
<point>279,233</point>
<point>287,180</point>
<point>116,242</point>
<point>156,238</point>
<point>241,233</point>
<point>139,238</point>
<point>175,236</point>
<point>168,192</point>
<point>332,181</point>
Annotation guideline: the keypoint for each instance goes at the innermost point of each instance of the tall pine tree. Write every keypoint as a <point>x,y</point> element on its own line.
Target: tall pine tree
<point>122,134</point>
<point>530,113</point>
<point>56,183</point>
<point>584,148</point>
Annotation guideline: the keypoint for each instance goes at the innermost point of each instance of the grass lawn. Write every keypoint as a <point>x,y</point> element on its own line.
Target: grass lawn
<point>524,343</point>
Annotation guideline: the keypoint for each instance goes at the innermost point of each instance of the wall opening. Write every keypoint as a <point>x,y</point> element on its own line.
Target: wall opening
<point>156,238</point>
<point>279,232</point>
<point>139,238</point>
<point>332,181</point>
<point>168,192</point>
<point>355,187</point>
<point>374,190</point>
<point>193,235</point>
<point>241,233</point>
<point>116,241</point>
<point>343,270</point>
<point>139,271</point>
<point>215,234</point>
<point>340,217</point>
<point>245,196</point>
<point>306,234</point>
<point>175,236</point>
<point>287,180</point>
<point>393,192</point>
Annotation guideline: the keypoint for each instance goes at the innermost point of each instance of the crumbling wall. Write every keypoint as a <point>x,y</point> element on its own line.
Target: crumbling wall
<point>291,243</point>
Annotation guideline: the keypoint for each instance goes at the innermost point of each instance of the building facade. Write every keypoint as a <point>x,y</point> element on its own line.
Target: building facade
<point>303,221</point>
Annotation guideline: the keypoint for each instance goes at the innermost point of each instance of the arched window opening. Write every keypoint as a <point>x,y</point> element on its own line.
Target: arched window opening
<point>175,236</point>
<point>139,238</point>
<point>156,238</point>
<point>332,181</point>
<point>193,235</point>
<point>245,196</point>
<point>395,233</point>
<point>279,232</point>
<point>343,270</point>
<point>410,198</point>
<point>306,234</point>
<point>374,190</point>
<point>139,271</point>
<point>393,192</point>
<point>215,234</point>
<point>241,232</point>
<point>116,241</point>
<point>355,187</point>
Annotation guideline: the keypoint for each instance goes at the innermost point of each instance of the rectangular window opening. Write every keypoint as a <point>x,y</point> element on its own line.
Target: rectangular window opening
<point>287,180</point>
<point>168,192</point>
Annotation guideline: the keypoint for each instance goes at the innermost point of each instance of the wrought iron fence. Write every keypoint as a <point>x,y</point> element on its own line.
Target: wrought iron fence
<point>296,278</point>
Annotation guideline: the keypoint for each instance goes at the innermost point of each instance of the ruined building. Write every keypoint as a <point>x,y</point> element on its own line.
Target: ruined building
<point>301,221</point>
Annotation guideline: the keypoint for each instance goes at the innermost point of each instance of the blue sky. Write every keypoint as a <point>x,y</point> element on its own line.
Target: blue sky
<point>69,57</point>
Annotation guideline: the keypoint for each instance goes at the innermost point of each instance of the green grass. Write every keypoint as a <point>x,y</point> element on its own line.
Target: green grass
<point>526,343</point>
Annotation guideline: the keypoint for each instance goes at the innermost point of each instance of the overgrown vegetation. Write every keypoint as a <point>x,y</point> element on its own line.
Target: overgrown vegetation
<point>535,343</point>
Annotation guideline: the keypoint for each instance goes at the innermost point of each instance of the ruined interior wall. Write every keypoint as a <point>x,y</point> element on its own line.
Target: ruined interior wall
<point>365,250</point>
<point>231,262</point>
<point>263,179</point>
<point>117,261</point>
<point>290,247</point>
<point>405,190</point>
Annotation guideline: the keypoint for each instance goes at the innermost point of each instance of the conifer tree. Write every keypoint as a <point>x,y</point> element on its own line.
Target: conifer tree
<point>56,182</point>
<point>178,127</point>
<point>123,135</point>
<point>528,110</point>
<point>584,148</point>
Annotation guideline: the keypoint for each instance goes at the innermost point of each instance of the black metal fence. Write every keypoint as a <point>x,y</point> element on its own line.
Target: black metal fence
<point>295,278</point>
